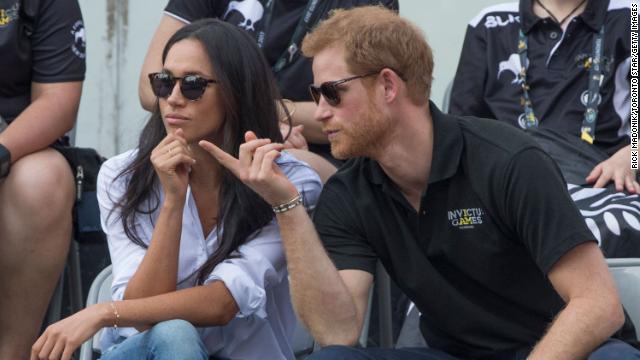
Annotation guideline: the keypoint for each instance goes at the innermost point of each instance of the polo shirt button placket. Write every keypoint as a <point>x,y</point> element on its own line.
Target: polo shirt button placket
<point>553,35</point>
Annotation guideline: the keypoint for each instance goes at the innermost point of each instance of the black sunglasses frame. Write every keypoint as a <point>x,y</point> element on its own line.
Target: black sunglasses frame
<point>192,87</point>
<point>329,90</point>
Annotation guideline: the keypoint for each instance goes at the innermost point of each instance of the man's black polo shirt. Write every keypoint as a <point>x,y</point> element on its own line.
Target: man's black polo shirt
<point>488,84</point>
<point>493,220</point>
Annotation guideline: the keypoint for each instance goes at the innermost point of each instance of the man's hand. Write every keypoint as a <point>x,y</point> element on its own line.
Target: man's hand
<point>617,169</point>
<point>256,168</point>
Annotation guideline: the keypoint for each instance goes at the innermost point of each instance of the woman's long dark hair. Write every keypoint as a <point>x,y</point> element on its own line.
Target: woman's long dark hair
<point>248,93</point>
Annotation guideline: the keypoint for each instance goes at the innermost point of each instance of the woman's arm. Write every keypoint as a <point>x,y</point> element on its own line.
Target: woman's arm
<point>209,305</point>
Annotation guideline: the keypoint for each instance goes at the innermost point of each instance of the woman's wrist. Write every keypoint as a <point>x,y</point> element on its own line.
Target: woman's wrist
<point>105,314</point>
<point>172,202</point>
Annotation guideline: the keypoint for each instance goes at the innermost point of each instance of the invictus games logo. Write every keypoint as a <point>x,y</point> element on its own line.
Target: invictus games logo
<point>9,15</point>
<point>465,218</point>
<point>79,41</point>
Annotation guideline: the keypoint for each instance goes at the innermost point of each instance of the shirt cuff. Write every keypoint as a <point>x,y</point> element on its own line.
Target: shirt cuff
<point>249,296</point>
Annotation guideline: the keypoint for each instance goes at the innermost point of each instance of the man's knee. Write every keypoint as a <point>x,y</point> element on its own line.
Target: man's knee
<point>615,349</point>
<point>40,183</point>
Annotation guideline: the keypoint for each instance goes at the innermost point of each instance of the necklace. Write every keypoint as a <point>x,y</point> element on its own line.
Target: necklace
<point>560,22</point>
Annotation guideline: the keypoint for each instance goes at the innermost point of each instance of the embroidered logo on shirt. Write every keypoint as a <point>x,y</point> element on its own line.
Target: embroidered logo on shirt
<point>496,20</point>
<point>79,41</point>
<point>465,218</point>
<point>512,65</point>
<point>251,10</point>
<point>9,15</point>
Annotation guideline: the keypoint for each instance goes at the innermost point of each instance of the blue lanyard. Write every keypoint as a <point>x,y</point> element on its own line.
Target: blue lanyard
<point>594,64</point>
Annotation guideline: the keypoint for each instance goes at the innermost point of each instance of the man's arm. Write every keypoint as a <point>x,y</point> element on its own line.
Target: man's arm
<point>467,92</point>
<point>50,115</point>
<point>153,60</point>
<point>593,311</point>
<point>329,302</point>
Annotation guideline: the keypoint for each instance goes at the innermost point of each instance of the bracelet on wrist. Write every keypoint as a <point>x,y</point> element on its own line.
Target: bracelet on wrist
<point>116,314</point>
<point>288,111</point>
<point>279,209</point>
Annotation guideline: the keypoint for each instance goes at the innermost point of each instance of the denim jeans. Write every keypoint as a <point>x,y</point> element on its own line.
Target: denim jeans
<point>173,339</point>
<point>612,349</point>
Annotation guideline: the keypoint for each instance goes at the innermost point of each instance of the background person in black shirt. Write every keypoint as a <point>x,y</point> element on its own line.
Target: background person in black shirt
<point>41,72</point>
<point>497,262</point>
<point>560,37</point>
<point>576,104</point>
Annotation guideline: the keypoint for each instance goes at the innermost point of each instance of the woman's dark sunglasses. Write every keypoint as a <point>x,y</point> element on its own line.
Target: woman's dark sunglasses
<point>191,86</point>
<point>330,89</point>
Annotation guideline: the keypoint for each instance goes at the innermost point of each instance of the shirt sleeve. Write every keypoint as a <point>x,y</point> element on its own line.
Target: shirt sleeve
<point>340,231</point>
<point>58,43</point>
<point>192,10</point>
<point>260,263</point>
<point>540,209</point>
<point>467,93</point>
<point>125,255</point>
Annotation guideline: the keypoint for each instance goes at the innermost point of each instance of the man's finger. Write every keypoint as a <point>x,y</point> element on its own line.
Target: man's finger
<point>258,156</point>
<point>248,149</point>
<point>268,162</point>
<point>249,135</point>
<point>223,158</point>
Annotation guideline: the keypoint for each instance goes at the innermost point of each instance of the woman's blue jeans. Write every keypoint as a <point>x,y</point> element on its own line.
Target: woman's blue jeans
<point>173,339</point>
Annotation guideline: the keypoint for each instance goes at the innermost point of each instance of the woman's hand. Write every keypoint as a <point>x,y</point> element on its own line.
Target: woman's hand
<point>256,168</point>
<point>172,160</point>
<point>295,140</point>
<point>61,339</point>
<point>617,169</point>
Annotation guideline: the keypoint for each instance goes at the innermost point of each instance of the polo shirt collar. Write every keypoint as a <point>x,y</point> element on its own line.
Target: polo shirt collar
<point>447,149</point>
<point>593,15</point>
<point>447,145</point>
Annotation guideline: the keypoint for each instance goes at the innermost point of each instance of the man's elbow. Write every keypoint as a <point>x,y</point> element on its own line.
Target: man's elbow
<point>611,316</point>
<point>347,337</point>
<point>616,315</point>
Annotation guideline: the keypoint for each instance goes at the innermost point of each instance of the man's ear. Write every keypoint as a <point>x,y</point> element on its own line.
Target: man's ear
<point>392,83</point>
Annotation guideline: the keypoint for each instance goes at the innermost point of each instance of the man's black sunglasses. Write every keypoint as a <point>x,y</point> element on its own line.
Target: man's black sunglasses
<point>330,89</point>
<point>191,86</point>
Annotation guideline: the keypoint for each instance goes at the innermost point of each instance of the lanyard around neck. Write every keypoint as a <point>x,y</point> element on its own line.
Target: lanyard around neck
<point>594,64</point>
<point>293,47</point>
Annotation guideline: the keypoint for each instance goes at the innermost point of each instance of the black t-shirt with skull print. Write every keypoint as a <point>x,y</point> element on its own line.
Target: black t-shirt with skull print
<point>53,52</point>
<point>488,82</point>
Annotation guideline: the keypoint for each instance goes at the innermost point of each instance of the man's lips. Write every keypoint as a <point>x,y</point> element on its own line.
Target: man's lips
<point>331,134</point>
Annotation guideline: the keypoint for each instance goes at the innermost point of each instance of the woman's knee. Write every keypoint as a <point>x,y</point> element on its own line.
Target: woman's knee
<point>177,339</point>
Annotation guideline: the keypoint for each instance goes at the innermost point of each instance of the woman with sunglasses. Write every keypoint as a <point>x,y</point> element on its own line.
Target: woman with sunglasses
<point>198,264</point>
